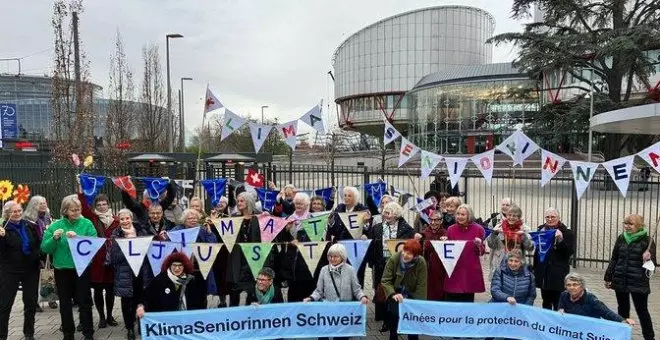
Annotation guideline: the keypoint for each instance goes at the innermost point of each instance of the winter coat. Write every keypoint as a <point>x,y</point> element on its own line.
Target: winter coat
<point>140,211</point>
<point>59,249</point>
<point>99,271</point>
<point>252,296</point>
<point>12,258</point>
<point>347,284</point>
<point>498,250</point>
<point>337,231</point>
<point>412,284</point>
<point>210,287</point>
<point>220,265</point>
<point>123,274</point>
<point>162,296</point>
<point>587,305</point>
<point>519,285</point>
<point>238,271</point>
<point>550,273</point>
<point>625,270</point>
<point>287,260</point>
<point>374,254</point>
<point>467,276</point>
<point>435,268</point>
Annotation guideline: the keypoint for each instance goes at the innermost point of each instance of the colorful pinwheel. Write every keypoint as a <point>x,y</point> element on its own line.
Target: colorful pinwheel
<point>22,194</point>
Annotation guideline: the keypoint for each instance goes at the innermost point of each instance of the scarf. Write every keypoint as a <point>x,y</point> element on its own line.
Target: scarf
<point>21,229</point>
<point>265,298</point>
<point>511,237</point>
<point>130,232</point>
<point>43,221</point>
<point>180,283</point>
<point>106,217</point>
<point>405,266</point>
<point>335,269</point>
<point>632,237</point>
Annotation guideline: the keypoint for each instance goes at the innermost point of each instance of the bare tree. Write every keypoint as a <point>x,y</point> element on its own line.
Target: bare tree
<point>119,125</point>
<point>152,120</point>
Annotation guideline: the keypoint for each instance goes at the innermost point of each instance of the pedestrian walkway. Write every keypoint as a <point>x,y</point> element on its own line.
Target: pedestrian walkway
<point>48,322</point>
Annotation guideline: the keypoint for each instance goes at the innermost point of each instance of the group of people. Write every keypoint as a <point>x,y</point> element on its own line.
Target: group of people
<point>414,272</point>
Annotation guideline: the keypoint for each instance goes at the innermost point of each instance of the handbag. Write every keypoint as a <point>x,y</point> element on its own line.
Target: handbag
<point>47,287</point>
<point>379,296</point>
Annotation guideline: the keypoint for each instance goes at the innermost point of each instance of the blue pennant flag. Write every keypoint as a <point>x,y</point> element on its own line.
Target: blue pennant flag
<point>215,188</point>
<point>158,252</point>
<point>91,185</point>
<point>543,241</point>
<point>487,232</point>
<point>183,239</point>
<point>376,191</point>
<point>326,193</point>
<point>355,250</point>
<point>267,198</point>
<point>155,187</point>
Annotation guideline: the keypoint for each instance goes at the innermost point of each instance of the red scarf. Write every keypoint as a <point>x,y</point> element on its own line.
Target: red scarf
<point>511,237</point>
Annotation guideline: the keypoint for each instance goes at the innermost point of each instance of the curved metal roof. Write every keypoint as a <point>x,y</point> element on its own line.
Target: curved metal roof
<point>471,73</point>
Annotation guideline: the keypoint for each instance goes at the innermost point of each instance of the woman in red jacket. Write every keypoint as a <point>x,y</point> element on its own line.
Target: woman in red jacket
<point>436,270</point>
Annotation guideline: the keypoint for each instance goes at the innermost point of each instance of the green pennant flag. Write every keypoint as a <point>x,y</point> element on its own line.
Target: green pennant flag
<point>315,227</point>
<point>256,254</point>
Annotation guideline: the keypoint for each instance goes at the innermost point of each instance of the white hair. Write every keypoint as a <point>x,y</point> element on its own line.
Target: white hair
<point>289,186</point>
<point>394,209</point>
<point>552,210</point>
<point>338,249</point>
<point>301,196</point>
<point>575,277</point>
<point>507,200</point>
<point>187,212</point>
<point>31,212</point>
<point>354,191</point>
<point>69,202</point>
<point>250,202</point>
<point>125,212</point>
<point>469,210</point>
<point>7,208</point>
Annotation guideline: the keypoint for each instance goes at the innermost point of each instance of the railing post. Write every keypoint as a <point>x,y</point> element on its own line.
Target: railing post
<point>575,206</point>
<point>365,180</point>
<point>465,193</point>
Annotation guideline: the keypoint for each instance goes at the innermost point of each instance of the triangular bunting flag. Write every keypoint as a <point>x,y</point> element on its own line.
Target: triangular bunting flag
<point>652,156</point>
<point>135,249</point>
<point>312,253</point>
<point>267,198</point>
<point>124,183</point>
<point>620,170</point>
<point>90,186</point>
<point>508,146</point>
<point>583,172</point>
<point>157,253</point>
<point>211,102</point>
<point>155,187</point>
<point>326,193</point>
<point>376,191</point>
<point>259,133</point>
<point>449,252</point>
<point>83,250</point>
<point>455,167</point>
<point>215,188</point>
<point>485,162</point>
<point>270,226</point>
<point>256,254</point>
<point>429,162</point>
<point>205,254</point>
<point>289,131</point>
<point>315,227</point>
<point>353,222</point>
<point>230,122</point>
<point>525,147</point>
<point>543,242</point>
<point>184,239</point>
<point>423,209</point>
<point>394,245</point>
<point>314,118</point>
<point>408,150</point>
<point>391,133</point>
<point>355,250</point>
<point>228,229</point>
<point>551,164</point>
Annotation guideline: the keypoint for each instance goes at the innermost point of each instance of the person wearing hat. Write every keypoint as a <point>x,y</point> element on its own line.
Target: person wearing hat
<point>167,292</point>
<point>513,282</point>
<point>264,291</point>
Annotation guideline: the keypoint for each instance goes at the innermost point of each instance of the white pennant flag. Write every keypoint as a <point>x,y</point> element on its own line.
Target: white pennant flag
<point>231,122</point>
<point>583,172</point>
<point>508,146</point>
<point>353,222</point>
<point>228,229</point>
<point>157,253</point>
<point>135,250</point>
<point>429,162</point>
<point>455,167</point>
<point>211,102</point>
<point>620,170</point>
<point>259,134</point>
<point>551,164</point>
<point>314,118</point>
<point>83,250</point>
<point>449,252</point>
<point>205,254</point>
<point>652,156</point>
<point>524,148</point>
<point>408,151</point>
<point>289,131</point>
<point>391,133</point>
<point>485,162</point>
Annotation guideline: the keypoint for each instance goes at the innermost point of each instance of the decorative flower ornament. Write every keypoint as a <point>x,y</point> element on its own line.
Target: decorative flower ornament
<point>89,160</point>
<point>6,190</point>
<point>22,194</point>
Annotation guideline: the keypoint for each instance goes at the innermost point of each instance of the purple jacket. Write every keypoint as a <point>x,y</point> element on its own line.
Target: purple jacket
<point>467,276</point>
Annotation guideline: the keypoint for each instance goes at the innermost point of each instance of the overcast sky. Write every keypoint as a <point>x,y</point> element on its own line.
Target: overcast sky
<point>251,52</point>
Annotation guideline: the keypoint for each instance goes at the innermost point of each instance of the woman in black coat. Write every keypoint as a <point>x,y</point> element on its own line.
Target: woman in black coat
<point>626,275</point>
<point>239,276</point>
<point>164,293</point>
<point>550,273</point>
<point>19,262</point>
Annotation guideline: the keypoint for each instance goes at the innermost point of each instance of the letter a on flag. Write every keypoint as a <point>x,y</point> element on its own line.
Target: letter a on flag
<point>157,253</point>
<point>314,119</point>
<point>355,250</point>
<point>270,226</point>
<point>184,239</point>
<point>83,250</point>
<point>311,252</point>
<point>228,229</point>
<point>205,254</point>
<point>449,252</point>
<point>256,254</point>
<point>135,250</point>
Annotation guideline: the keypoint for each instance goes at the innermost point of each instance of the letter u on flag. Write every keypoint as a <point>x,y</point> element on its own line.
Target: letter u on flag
<point>255,255</point>
<point>91,185</point>
<point>83,250</point>
<point>157,254</point>
<point>155,187</point>
<point>134,250</point>
<point>205,254</point>
<point>215,188</point>
<point>184,239</point>
<point>543,241</point>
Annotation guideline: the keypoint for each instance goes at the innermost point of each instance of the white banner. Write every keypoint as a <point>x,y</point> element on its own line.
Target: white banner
<point>83,250</point>
<point>134,250</point>
<point>449,252</point>
<point>408,150</point>
<point>455,167</point>
<point>551,164</point>
<point>620,170</point>
<point>259,133</point>
<point>289,131</point>
<point>485,162</point>
<point>583,172</point>
<point>230,123</point>
<point>429,162</point>
<point>314,118</point>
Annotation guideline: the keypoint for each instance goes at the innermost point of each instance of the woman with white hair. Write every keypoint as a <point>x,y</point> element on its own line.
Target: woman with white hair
<point>284,205</point>
<point>38,213</point>
<point>338,231</point>
<point>393,227</point>
<point>512,233</point>
<point>239,276</point>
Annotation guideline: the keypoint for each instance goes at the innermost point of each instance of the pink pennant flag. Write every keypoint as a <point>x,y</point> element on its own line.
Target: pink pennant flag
<point>270,226</point>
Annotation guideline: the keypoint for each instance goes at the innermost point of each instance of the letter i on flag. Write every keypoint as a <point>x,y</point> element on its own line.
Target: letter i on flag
<point>230,123</point>
<point>157,254</point>
<point>449,252</point>
<point>134,250</point>
<point>259,133</point>
<point>83,250</point>
<point>215,188</point>
<point>355,250</point>
<point>184,239</point>
<point>205,254</point>
<point>91,185</point>
<point>455,167</point>
<point>311,252</point>
<point>255,255</point>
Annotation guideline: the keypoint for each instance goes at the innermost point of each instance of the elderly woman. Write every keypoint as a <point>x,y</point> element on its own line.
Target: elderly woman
<point>126,285</point>
<point>378,217</point>
<point>264,291</point>
<point>467,278</point>
<point>317,204</point>
<point>577,300</point>
<point>549,273</point>
<point>513,282</point>
<point>19,263</point>
<point>450,206</point>
<point>436,270</point>
<point>38,213</point>
<point>510,234</point>
<point>338,231</point>
<point>169,292</point>
<point>393,227</point>
<point>239,275</point>
<point>284,201</point>
<point>67,280</point>
<point>626,275</point>
<point>497,218</point>
<point>405,277</point>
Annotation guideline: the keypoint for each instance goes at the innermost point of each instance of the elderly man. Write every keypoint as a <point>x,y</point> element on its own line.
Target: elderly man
<point>264,291</point>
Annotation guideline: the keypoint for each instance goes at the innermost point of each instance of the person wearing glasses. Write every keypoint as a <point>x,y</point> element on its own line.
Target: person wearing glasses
<point>578,301</point>
<point>168,291</point>
<point>550,273</point>
<point>511,233</point>
<point>264,291</point>
<point>435,268</point>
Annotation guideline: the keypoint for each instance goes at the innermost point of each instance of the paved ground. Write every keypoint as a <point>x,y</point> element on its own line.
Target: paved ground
<point>48,322</point>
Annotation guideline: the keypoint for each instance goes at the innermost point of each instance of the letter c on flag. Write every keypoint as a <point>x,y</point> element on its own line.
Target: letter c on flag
<point>80,252</point>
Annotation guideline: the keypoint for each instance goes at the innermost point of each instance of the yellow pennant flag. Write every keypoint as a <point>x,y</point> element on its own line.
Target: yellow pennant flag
<point>353,221</point>
<point>205,254</point>
<point>312,252</point>
<point>395,245</point>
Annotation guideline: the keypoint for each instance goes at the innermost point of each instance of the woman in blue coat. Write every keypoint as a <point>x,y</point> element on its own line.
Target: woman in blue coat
<point>513,282</point>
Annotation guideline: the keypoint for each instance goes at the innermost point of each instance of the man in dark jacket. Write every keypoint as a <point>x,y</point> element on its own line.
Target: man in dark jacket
<point>152,216</point>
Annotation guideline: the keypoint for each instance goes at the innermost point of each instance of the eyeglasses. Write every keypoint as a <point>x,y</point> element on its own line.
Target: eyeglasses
<point>261,279</point>
<point>550,217</point>
<point>435,219</point>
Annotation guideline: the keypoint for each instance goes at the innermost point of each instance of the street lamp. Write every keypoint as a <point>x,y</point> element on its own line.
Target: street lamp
<point>182,129</point>
<point>262,112</point>
<point>170,116</point>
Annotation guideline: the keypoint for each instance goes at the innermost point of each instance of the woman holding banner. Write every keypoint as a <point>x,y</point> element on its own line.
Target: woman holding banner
<point>19,262</point>
<point>511,233</point>
<point>577,300</point>
<point>143,212</point>
<point>67,280</point>
<point>239,274</point>
<point>436,270</point>
<point>264,291</point>
<point>404,277</point>
<point>467,277</point>
<point>169,292</point>
<point>513,282</point>
<point>632,256</point>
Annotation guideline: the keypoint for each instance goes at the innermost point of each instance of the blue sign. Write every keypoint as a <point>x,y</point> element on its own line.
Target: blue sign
<point>502,320</point>
<point>8,121</point>
<point>283,320</point>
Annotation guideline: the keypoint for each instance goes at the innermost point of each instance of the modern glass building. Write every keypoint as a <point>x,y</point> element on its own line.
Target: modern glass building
<point>377,65</point>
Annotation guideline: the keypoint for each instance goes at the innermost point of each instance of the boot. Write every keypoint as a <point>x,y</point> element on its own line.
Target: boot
<point>130,334</point>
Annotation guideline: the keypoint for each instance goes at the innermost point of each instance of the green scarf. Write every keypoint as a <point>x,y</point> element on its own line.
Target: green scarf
<point>264,298</point>
<point>632,237</point>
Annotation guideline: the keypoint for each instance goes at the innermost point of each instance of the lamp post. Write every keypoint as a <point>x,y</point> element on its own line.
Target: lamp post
<point>262,112</point>
<point>170,116</point>
<point>182,129</point>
